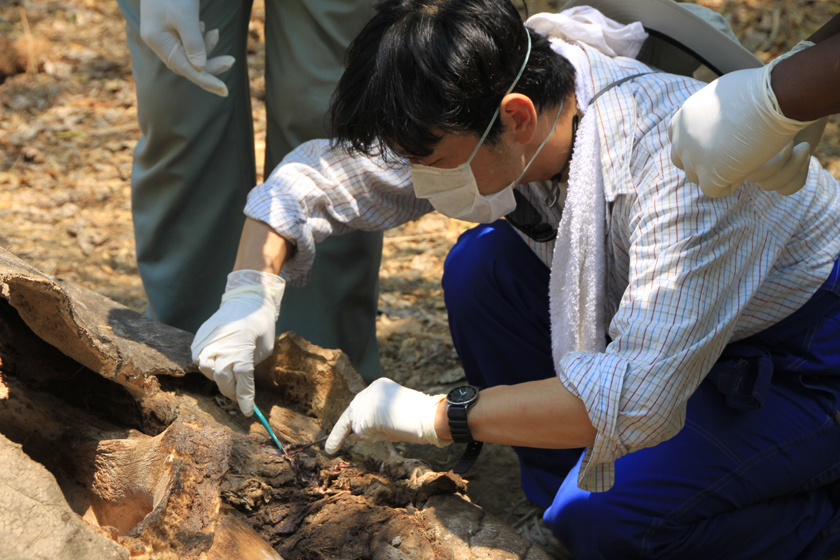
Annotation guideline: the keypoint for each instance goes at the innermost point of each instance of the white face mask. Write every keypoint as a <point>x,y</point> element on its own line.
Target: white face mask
<point>454,192</point>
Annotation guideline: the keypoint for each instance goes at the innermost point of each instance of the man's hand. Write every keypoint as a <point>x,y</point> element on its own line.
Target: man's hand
<point>787,171</point>
<point>730,131</point>
<point>172,30</point>
<point>387,411</point>
<point>240,334</point>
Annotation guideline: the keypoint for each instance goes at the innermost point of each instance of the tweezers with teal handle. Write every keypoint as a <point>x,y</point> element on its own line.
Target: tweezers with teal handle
<point>267,427</point>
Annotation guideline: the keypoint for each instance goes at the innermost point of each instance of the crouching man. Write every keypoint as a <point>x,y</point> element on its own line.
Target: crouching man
<point>666,364</point>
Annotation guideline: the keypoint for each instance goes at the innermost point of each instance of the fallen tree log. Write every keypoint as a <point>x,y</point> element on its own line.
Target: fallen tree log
<point>120,448</point>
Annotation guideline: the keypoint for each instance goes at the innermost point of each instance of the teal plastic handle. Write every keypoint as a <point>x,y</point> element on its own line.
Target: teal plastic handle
<point>267,427</point>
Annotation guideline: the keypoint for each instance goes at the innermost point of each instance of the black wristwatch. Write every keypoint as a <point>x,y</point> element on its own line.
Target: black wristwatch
<point>459,401</point>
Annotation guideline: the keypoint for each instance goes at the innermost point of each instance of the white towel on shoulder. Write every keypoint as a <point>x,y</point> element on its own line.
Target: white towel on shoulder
<point>578,275</point>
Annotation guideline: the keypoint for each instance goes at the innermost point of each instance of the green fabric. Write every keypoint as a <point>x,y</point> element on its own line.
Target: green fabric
<point>194,165</point>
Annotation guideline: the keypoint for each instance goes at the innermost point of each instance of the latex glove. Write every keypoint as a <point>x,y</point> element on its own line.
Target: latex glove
<point>731,128</point>
<point>240,334</point>
<point>787,171</point>
<point>173,31</point>
<point>387,411</point>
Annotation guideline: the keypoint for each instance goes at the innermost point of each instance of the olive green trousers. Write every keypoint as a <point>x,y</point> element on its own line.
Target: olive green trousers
<point>195,163</point>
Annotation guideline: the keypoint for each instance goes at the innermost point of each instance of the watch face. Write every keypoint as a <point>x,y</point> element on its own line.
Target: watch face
<point>462,395</point>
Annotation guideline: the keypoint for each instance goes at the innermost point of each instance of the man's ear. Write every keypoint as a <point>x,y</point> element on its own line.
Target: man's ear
<point>519,116</point>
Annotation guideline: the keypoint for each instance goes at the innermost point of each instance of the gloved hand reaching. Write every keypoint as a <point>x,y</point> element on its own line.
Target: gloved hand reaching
<point>173,31</point>
<point>240,334</point>
<point>787,171</point>
<point>387,411</point>
<point>732,131</point>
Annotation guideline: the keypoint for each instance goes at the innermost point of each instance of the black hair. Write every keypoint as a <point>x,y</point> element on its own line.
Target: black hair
<point>423,68</point>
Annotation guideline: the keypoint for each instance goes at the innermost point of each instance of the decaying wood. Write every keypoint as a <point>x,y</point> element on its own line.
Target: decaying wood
<point>153,463</point>
<point>96,332</point>
<point>35,520</point>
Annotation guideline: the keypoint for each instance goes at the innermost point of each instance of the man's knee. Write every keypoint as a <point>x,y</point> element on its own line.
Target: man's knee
<point>595,525</point>
<point>465,265</point>
<point>479,260</point>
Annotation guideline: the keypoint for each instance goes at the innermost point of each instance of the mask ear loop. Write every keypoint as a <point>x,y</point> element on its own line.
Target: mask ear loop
<point>525,217</point>
<point>510,89</point>
<point>550,132</point>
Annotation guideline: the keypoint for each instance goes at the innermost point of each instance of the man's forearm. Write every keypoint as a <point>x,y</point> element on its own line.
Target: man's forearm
<point>828,30</point>
<point>806,84</point>
<point>541,414</point>
<point>261,248</point>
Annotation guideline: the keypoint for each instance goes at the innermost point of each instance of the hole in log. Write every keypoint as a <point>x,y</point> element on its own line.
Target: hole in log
<point>42,367</point>
<point>61,387</point>
<point>55,407</point>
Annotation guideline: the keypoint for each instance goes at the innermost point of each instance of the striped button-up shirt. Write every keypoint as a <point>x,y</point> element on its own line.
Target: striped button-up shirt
<point>686,274</point>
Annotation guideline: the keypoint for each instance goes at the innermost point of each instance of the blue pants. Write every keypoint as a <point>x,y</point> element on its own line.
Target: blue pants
<point>748,475</point>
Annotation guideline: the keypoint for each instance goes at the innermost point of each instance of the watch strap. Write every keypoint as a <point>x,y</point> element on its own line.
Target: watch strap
<point>469,457</point>
<point>458,427</point>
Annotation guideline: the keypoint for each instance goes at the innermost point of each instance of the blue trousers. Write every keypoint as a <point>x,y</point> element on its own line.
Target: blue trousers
<point>747,477</point>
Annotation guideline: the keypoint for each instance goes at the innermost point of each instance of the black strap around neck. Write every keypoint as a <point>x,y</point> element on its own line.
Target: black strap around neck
<point>618,83</point>
<point>527,219</point>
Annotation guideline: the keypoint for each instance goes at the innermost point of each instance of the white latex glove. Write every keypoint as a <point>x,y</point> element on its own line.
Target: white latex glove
<point>387,411</point>
<point>730,131</point>
<point>240,334</point>
<point>787,171</point>
<point>173,31</point>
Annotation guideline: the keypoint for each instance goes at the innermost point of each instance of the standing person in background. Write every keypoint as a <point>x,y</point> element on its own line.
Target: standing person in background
<point>195,162</point>
<point>761,124</point>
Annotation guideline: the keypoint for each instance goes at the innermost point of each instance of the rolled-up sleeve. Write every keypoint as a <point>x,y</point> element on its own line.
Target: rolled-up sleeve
<point>318,191</point>
<point>693,265</point>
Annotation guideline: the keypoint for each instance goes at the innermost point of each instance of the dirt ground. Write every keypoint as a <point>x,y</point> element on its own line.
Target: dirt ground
<point>68,127</point>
